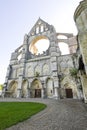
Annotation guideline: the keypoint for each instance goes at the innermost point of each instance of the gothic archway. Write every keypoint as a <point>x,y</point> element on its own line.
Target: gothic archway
<point>49,88</point>
<point>13,88</point>
<point>46,69</point>
<point>25,88</point>
<point>35,89</point>
<point>69,88</point>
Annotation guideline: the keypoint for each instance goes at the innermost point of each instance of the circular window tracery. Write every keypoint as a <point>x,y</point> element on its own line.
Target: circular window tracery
<point>39,45</point>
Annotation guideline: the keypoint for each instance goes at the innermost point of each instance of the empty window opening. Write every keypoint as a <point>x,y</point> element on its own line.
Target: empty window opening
<point>64,48</point>
<point>20,49</point>
<point>37,30</point>
<point>42,28</point>
<point>19,56</point>
<point>39,47</point>
<point>61,37</point>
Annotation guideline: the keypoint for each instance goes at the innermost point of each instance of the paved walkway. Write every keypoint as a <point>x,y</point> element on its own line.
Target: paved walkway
<point>59,115</point>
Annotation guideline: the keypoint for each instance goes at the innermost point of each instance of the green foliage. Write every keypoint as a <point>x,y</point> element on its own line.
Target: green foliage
<point>1,86</point>
<point>37,74</point>
<point>73,72</point>
<point>13,112</point>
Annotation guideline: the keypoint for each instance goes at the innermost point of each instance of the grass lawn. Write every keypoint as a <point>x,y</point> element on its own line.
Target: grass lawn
<point>13,112</point>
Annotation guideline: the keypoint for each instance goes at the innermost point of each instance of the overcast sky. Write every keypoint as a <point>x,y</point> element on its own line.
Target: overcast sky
<point>17,17</point>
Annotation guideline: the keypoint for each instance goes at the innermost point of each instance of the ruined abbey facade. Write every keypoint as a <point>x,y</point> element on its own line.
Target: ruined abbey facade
<point>50,74</point>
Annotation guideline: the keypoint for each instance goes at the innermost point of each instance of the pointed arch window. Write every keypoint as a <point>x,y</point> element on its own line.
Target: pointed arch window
<point>64,48</point>
<point>45,69</point>
<point>30,71</point>
<point>41,28</point>
<point>19,57</point>
<point>37,70</point>
<point>37,30</point>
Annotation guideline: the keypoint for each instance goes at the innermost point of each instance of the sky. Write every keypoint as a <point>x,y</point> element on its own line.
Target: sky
<point>17,17</point>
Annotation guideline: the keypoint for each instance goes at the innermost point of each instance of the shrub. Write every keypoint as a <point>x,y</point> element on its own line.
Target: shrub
<point>73,72</point>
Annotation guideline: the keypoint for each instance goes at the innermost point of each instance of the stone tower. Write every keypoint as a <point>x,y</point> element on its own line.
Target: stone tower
<point>80,17</point>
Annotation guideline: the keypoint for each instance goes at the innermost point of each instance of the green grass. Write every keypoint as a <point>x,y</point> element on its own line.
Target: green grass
<point>13,112</point>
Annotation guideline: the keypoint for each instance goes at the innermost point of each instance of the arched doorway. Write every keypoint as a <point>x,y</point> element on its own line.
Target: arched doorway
<point>25,89</point>
<point>13,89</point>
<point>35,90</point>
<point>69,88</point>
<point>50,88</point>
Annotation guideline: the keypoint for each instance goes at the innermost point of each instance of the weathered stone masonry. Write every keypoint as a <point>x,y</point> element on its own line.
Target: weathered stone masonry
<point>80,17</point>
<point>45,75</point>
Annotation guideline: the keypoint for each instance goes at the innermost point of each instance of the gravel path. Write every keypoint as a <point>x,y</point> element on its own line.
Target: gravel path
<point>59,115</point>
